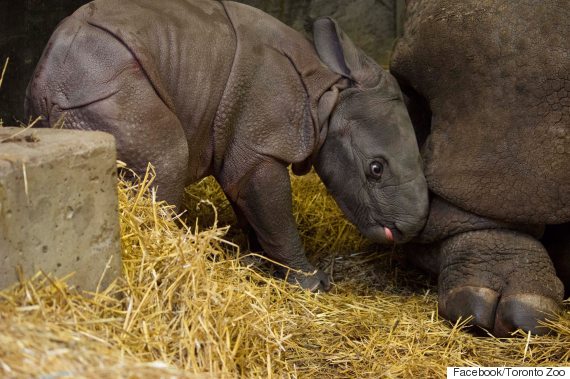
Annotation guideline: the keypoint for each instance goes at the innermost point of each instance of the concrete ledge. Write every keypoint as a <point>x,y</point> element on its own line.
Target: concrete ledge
<point>58,205</point>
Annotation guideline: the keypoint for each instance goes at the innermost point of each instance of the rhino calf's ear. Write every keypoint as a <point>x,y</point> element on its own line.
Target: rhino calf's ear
<point>339,53</point>
<point>327,39</point>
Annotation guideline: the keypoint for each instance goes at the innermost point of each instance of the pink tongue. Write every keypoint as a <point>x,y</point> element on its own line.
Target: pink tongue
<point>389,235</point>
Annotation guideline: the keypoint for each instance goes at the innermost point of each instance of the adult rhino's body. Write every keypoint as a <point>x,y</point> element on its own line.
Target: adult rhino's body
<point>489,83</point>
<point>200,87</point>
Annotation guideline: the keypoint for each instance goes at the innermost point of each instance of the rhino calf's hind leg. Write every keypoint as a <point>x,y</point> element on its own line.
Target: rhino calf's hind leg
<point>504,279</point>
<point>90,77</point>
<point>145,129</point>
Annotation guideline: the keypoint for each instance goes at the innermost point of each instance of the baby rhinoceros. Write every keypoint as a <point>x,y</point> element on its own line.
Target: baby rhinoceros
<point>200,88</point>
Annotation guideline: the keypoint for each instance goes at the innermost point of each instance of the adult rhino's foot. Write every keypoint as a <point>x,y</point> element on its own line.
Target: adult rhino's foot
<point>504,279</point>
<point>314,281</point>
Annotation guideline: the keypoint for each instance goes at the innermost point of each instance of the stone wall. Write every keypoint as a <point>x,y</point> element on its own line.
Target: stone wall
<point>371,24</point>
<point>26,25</point>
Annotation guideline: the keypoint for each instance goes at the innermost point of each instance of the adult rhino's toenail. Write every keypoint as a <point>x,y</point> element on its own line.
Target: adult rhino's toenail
<point>524,311</point>
<point>469,301</point>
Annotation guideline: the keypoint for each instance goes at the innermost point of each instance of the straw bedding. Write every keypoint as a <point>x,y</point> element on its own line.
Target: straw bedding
<point>194,303</point>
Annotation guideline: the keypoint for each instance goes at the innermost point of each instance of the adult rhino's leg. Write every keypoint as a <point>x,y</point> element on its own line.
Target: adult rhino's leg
<point>557,242</point>
<point>504,279</point>
<point>264,199</point>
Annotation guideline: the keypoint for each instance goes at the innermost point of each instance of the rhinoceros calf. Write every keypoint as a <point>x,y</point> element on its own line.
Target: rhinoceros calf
<point>489,82</point>
<point>203,88</point>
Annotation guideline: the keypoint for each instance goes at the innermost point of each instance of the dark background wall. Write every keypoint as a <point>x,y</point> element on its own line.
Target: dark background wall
<point>26,25</point>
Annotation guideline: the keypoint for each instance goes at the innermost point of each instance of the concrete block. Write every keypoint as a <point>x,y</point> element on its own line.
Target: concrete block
<point>58,205</point>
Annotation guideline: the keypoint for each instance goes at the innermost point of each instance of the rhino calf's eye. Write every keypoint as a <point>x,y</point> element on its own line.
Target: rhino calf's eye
<point>376,169</point>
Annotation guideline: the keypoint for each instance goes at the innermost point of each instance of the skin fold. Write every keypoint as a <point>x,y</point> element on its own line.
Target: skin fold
<point>199,87</point>
<point>487,86</point>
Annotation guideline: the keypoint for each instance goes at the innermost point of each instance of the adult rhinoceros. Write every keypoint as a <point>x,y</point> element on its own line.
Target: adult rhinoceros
<point>488,83</point>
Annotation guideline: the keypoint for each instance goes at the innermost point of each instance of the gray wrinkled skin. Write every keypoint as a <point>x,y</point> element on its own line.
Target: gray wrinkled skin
<point>487,86</point>
<point>201,88</point>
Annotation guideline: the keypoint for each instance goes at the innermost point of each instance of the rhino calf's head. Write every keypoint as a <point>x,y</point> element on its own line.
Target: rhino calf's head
<point>369,160</point>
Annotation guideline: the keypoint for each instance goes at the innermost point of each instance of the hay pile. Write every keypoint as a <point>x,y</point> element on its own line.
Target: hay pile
<point>193,305</point>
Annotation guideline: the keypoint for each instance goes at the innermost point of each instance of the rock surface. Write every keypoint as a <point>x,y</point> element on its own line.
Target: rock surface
<point>372,25</point>
<point>58,205</point>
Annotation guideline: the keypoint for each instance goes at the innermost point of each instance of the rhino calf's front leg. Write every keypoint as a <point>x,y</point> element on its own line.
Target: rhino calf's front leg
<point>263,197</point>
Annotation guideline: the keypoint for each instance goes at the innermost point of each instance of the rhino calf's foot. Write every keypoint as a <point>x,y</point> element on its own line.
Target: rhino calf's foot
<point>314,281</point>
<point>504,279</point>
